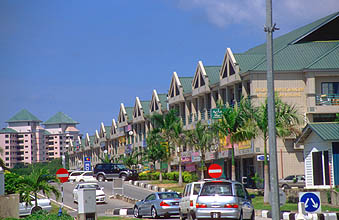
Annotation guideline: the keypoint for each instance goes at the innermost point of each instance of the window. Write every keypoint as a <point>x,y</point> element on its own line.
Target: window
<point>6,142</point>
<point>7,153</point>
<point>7,147</point>
<point>216,188</point>
<point>7,158</point>
<point>239,191</point>
<point>290,177</point>
<point>6,136</point>
<point>150,197</point>
<point>196,189</point>
<point>330,88</point>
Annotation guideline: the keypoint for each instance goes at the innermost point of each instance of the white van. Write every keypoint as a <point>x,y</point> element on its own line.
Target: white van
<point>188,200</point>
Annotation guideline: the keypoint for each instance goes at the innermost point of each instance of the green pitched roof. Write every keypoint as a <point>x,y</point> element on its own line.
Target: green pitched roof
<point>91,140</point>
<point>46,132</point>
<point>163,101</point>
<point>108,131</point>
<point>328,61</point>
<point>186,83</point>
<point>247,61</point>
<point>23,116</point>
<point>145,106</point>
<point>129,111</point>
<point>213,73</point>
<point>292,36</point>
<point>60,118</point>
<point>328,131</point>
<point>7,130</point>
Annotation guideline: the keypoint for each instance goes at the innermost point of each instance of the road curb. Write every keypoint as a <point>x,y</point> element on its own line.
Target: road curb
<point>121,212</point>
<point>292,215</point>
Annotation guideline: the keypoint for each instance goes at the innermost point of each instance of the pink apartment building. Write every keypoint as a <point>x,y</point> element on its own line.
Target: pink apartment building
<point>25,141</point>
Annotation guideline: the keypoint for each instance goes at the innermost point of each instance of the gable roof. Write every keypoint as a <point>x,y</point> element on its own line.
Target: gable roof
<point>145,106</point>
<point>186,83</point>
<point>60,118</point>
<point>294,35</point>
<point>213,74</point>
<point>108,131</point>
<point>129,112</point>
<point>23,116</point>
<point>163,101</point>
<point>327,131</point>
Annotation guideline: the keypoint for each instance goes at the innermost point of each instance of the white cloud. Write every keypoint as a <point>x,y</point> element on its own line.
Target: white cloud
<point>287,12</point>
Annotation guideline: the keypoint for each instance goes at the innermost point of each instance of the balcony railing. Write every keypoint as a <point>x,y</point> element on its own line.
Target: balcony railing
<point>203,115</point>
<point>327,99</point>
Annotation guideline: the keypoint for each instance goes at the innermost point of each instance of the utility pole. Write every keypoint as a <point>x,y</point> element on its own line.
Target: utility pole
<point>272,141</point>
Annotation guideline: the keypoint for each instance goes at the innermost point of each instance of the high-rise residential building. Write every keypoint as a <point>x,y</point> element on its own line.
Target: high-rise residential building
<point>26,141</point>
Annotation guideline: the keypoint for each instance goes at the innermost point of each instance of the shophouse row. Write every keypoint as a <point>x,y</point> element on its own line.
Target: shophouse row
<point>306,71</point>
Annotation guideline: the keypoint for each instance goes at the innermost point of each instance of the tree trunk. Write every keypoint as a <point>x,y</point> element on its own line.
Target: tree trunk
<point>169,166</point>
<point>180,172</point>
<point>160,176</point>
<point>266,175</point>
<point>202,165</point>
<point>233,163</point>
<point>36,199</point>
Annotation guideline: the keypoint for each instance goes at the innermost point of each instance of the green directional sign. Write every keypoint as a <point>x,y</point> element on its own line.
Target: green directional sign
<point>216,113</point>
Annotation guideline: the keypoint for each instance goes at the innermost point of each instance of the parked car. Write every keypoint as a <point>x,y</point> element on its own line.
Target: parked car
<point>86,176</point>
<point>107,171</point>
<point>27,209</point>
<point>188,200</point>
<point>158,204</point>
<point>292,181</point>
<point>100,194</point>
<point>73,175</point>
<point>224,199</point>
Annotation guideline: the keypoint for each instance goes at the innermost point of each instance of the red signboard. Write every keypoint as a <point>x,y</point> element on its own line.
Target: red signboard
<point>62,175</point>
<point>215,170</point>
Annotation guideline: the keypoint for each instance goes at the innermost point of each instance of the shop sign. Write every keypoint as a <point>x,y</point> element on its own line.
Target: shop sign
<point>186,157</point>
<point>210,156</point>
<point>195,156</point>
<point>224,154</point>
<point>190,167</point>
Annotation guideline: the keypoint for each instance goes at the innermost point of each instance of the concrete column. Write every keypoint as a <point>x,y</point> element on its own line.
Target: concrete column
<point>227,96</point>
<point>243,89</point>
<point>235,90</point>
<point>310,90</point>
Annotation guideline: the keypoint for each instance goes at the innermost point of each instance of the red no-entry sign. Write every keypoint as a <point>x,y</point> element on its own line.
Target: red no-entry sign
<point>215,170</point>
<point>62,175</point>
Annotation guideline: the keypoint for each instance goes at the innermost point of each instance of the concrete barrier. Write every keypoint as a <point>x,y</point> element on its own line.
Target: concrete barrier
<point>9,206</point>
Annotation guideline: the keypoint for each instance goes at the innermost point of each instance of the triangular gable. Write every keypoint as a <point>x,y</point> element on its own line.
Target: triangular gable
<point>228,67</point>
<point>155,102</point>
<point>137,107</point>
<point>200,76</point>
<point>114,127</point>
<point>87,140</point>
<point>175,85</point>
<point>122,114</point>
<point>102,130</point>
<point>97,137</point>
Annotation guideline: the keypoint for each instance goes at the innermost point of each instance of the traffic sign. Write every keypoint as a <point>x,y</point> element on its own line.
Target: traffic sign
<point>62,175</point>
<point>262,157</point>
<point>216,113</point>
<point>215,170</point>
<point>311,200</point>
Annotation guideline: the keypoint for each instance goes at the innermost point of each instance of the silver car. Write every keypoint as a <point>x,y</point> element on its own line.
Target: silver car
<point>158,204</point>
<point>224,199</point>
<point>27,209</point>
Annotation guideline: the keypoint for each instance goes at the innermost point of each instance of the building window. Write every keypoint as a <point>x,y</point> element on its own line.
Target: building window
<point>26,135</point>
<point>7,158</point>
<point>7,147</point>
<point>7,153</point>
<point>330,88</point>
<point>6,136</point>
<point>6,142</point>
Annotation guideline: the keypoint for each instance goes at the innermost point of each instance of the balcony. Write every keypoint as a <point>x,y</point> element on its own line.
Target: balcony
<point>327,99</point>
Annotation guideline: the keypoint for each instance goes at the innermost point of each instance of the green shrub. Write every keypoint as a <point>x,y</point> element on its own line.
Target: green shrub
<point>143,176</point>
<point>155,175</point>
<point>173,175</point>
<point>43,215</point>
<point>188,177</point>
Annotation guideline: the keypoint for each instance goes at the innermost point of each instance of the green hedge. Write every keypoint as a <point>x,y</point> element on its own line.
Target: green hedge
<point>43,215</point>
<point>187,177</point>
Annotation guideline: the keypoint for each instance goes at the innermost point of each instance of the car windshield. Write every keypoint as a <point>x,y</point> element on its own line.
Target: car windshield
<point>121,166</point>
<point>168,195</point>
<point>90,186</point>
<point>216,188</point>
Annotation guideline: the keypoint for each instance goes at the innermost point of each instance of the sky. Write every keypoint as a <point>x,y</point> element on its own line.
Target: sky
<point>85,57</point>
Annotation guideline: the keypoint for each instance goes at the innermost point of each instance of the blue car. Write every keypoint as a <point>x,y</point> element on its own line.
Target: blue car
<point>158,204</point>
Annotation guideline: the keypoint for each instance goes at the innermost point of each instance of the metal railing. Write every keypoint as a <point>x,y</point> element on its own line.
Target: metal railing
<point>327,99</point>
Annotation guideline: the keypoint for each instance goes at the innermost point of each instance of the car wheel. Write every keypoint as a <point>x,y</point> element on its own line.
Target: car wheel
<point>123,177</point>
<point>253,216</point>
<point>189,216</point>
<point>240,218</point>
<point>154,213</point>
<point>36,209</point>
<point>285,186</point>
<point>181,215</point>
<point>136,212</point>
<point>101,178</point>
<point>81,181</point>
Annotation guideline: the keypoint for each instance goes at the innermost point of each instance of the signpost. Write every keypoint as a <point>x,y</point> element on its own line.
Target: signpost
<point>215,170</point>
<point>311,200</point>
<point>87,164</point>
<point>62,175</point>
<point>216,113</point>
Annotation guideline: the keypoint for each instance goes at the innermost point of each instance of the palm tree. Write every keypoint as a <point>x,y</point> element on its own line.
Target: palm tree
<point>201,137</point>
<point>106,158</point>
<point>155,151</point>
<point>37,181</point>
<point>286,118</point>
<point>178,137</point>
<point>165,124</point>
<point>131,159</point>
<point>237,123</point>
